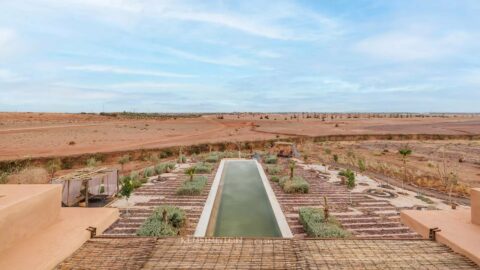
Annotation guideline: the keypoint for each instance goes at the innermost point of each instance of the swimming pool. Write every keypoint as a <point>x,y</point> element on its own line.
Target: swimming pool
<point>241,203</point>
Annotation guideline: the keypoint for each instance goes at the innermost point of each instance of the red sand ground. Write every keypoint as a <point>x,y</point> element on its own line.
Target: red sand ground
<point>45,134</point>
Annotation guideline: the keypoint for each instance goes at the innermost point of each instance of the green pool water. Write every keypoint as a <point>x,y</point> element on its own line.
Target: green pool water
<point>244,209</point>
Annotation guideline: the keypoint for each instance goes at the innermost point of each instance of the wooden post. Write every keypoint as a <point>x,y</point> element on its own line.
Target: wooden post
<point>86,193</point>
<point>118,180</point>
<point>68,193</point>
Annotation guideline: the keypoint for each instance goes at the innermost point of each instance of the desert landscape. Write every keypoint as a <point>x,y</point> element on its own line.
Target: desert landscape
<point>450,140</point>
<point>30,135</point>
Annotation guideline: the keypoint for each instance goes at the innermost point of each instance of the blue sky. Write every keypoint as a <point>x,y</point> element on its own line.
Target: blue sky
<point>201,56</point>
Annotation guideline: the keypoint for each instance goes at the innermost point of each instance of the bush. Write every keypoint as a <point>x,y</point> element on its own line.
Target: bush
<point>136,183</point>
<point>212,159</point>
<point>274,169</point>
<point>347,173</point>
<point>274,178</point>
<point>164,167</point>
<point>202,168</point>
<point>156,225</point>
<point>67,163</point>
<point>271,159</point>
<point>165,154</point>
<point>160,168</point>
<point>93,162</point>
<point>148,172</point>
<point>295,185</point>
<point>134,175</point>
<point>182,159</point>
<point>193,187</point>
<point>315,225</point>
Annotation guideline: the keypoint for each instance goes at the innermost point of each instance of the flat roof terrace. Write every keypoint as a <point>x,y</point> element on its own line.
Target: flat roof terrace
<point>262,253</point>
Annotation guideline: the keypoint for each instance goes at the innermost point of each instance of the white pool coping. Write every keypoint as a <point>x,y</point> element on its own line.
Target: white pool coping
<point>202,226</point>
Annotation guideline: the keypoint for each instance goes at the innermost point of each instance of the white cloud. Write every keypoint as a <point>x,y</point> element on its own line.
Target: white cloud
<point>267,54</point>
<point>9,76</point>
<point>126,71</point>
<point>398,46</point>
<point>282,21</point>
<point>232,21</point>
<point>9,42</point>
<point>233,60</point>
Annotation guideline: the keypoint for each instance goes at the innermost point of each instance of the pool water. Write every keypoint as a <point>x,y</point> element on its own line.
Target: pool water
<point>244,209</point>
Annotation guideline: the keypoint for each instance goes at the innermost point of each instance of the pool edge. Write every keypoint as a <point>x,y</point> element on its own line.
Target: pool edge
<point>277,210</point>
<point>202,226</point>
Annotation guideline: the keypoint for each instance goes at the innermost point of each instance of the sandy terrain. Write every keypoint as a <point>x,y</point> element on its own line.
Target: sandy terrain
<point>45,134</point>
<point>461,157</point>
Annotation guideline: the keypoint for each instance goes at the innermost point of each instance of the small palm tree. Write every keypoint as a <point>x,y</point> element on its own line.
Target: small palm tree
<point>53,166</point>
<point>124,160</point>
<point>291,165</point>
<point>191,172</point>
<point>326,210</point>
<point>350,184</point>
<point>405,152</point>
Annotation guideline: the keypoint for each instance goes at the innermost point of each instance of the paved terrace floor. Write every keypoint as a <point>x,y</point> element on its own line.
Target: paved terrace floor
<point>233,253</point>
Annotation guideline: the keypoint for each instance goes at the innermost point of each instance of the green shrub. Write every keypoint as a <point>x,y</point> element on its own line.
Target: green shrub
<point>212,159</point>
<point>425,199</point>
<point>274,169</point>
<point>202,168</point>
<point>165,153</point>
<point>193,187</point>
<point>182,159</point>
<point>295,185</point>
<point>136,183</point>
<point>160,168</point>
<point>164,167</point>
<point>134,180</point>
<point>134,175</point>
<point>93,162</point>
<point>362,165</point>
<point>347,173</point>
<point>67,163</point>
<point>148,172</point>
<point>274,178</point>
<point>271,159</point>
<point>315,225</point>
<point>158,225</point>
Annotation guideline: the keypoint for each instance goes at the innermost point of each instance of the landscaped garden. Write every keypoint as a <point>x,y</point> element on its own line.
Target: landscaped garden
<point>193,186</point>
<point>318,223</point>
<point>165,220</point>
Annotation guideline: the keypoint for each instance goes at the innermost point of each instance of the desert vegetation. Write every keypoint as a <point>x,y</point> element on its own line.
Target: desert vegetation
<point>294,184</point>
<point>274,169</point>
<point>193,186</point>
<point>200,168</point>
<point>317,224</point>
<point>450,167</point>
<point>271,159</point>
<point>165,220</point>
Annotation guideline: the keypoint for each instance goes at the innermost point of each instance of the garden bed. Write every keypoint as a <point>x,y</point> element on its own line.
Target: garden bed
<point>315,224</point>
<point>165,220</point>
<point>294,185</point>
<point>193,187</point>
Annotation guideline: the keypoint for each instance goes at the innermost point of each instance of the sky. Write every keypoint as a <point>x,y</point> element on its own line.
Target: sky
<point>225,56</point>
